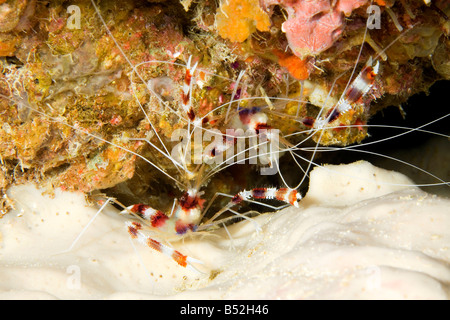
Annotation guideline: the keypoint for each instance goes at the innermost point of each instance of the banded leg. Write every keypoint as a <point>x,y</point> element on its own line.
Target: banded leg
<point>359,88</point>
<point>159,220</point>
<point>290,196</point>
<point>353,95</point>
<point>287,195</point>
<point>155,218</point>
<point>135,231</point>
<point>187,90</point>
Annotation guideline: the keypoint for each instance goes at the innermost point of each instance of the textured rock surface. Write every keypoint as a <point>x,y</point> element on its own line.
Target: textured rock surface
<point>61,86</point>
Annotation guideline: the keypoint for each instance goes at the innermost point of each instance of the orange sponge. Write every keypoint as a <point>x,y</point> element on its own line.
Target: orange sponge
<point>236,20</point>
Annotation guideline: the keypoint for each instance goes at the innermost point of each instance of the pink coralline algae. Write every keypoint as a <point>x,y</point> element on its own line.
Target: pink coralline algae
<point>313,26</point>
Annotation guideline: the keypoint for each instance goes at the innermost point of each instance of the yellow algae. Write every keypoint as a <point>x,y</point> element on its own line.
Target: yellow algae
<point>236,20</point>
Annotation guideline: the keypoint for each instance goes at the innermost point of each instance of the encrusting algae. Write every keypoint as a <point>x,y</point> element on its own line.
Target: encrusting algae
<point>66,91</point>
<point>236,20</point>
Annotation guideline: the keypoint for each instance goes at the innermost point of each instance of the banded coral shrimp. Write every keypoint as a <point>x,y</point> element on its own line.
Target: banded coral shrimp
<point>140,140</point>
